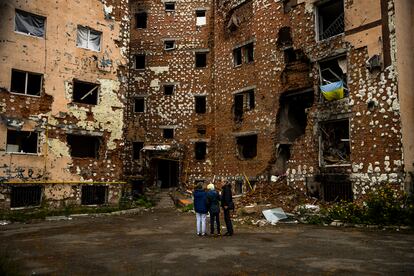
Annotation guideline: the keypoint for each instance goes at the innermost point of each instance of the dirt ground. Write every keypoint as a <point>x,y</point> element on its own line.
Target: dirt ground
<point>163,242</point>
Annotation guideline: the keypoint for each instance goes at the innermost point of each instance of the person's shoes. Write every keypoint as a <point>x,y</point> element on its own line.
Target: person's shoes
<point>198,234</point>
<point>204,235</point>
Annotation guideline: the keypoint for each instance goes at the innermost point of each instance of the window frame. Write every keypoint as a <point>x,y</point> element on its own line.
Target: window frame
<point>34,15</point>
<point>135,61</point>
<point>26,82</point>
<point>318,33</point>
<point>89,29</point>
<point>205,53</point>
<point>197,17</point>
<point>23,152</point>
<point>169,9</point>
<point>174,46</point>
<point>198,97</point>
<point>144,104</point>
<point>204,157</point>
<point>168,129</point>
<point>146,19</point>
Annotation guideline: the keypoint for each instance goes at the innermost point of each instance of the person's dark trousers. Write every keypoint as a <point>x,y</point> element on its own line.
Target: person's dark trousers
<point>214,217</point>
<point>227,219</point>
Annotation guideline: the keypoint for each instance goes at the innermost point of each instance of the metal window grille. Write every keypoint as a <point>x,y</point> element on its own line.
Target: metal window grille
<point>94,194</point>
<point>25,196</point>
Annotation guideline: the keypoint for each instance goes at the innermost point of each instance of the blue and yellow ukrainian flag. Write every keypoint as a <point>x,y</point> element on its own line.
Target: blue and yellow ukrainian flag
<point>333,91</point>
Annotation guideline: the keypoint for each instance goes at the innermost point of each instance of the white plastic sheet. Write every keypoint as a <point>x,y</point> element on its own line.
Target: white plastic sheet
<point>274,215</point>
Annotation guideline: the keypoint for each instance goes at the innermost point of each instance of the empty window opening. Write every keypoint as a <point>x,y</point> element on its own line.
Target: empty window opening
<point>237,56</point>
<point>201,130</point>
<point>290,55</point>
<point>247,146</point>
<point>139,105</point>
<point>29,23</point>
<point>333,78</point>
<point>336,187</point>
<point>292,114</point>
<point>22,141</point>
<point>200,149</point>
<point>29,196</point>
<point>169,44</point>
<point>201,18</point>
<point>88,38</point>
<point>136,150</point>
<point>334,143</point>
<point>169,6</point>
<point>26,83</point>
<point>169,89</point>
<point>137,188</point>
<point>284,38</point>
<point>249,52</point>
<point>200,60</point>
<point>85,92</point>
<point>330,18</point>
<point>238,187</point>
<point>140,61</point>
<point>168,133</point>
<point>94,194</point>
<point>200,104</point>
<point>84,146</point>
<point>243,102</point>
<point>141,18</point>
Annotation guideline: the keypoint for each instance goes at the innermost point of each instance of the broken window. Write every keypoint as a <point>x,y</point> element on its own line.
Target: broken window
<point>88,38</point>
<point>29,23</point>
<point>21,141</point>
<point>85,92</point>
<point>238,187</point>
<point>333,78</point>
<point>169,6</point>
<point>136,149</point>
<point>94,194</point>
<point>169,89</point>
<point>247,146</point>
<point>336,187</point>
<point>84,146</point>
<point>168,133</point>
<point>237,56</point>
<point>201,130</point>
<point>284,38</point>
<point>249,52</point>
<point>141,18</point>
<point>201,18</point>
<point>28,196</point>
<point>26,83</point>
<point>243,101</point>
<point>334,143</point>
<point>200,104</point>
<point>200,149</point>
<point>140,61</point>
<point>330,18</point>
<point>169,44</point>
<point>200,59</point>
<point>139,105</point>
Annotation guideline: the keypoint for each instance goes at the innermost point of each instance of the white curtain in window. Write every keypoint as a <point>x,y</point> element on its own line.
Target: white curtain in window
<point>29,24</point>
<point>82,37</point>
<point>94,40</point>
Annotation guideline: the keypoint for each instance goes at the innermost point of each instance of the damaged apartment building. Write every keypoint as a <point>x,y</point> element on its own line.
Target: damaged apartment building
<point>170,93</point>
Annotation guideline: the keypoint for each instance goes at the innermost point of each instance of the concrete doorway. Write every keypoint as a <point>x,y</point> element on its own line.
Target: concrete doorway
<point>167,173</point>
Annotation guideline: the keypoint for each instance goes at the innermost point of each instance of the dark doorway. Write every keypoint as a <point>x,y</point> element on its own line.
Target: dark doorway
<point>167,173</point>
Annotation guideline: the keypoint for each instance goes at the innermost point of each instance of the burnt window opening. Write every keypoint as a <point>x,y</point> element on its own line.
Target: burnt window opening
<point>136,150</point>
<point>333,72</point>
<point>22,141</point>
<point>331,20</point>
<point>140,61</point>
<point>238,187</point>
<point>169,45</point>
<point>237,56</point>
<point>200,60</point>
<point>88,38</point>
<point>26,83</point>
<point>139,105</point>
<point>168,133</point>
<point>243,102</point>
<point>29,23</point>
<point>201,130</point>
<point>84,146</point>
<point>169,6</point>
<point>336,187</point>
<point>169,89</point>
<point>284,38</point>
<point>200,104</point>
<point>201,19</point>
<point>141,18</point>
<point>249,52</point>
<point>334,143</point>
<point>29,196</point>
<point>94,194</point>
<point>292,114</point>
<point>200,150</point>
<point>85,92</point>
<point>247,146</point>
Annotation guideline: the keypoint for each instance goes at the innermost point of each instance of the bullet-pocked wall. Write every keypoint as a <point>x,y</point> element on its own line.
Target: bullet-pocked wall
<point>62,96</point>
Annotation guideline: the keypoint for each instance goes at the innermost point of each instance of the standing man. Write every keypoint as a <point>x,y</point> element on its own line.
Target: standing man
<point>200,208</point>
<point>213,204</point>
<point>228,205</point>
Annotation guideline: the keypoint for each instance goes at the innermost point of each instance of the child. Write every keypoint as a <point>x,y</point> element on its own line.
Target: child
<point>200,207</point>
<point>213,204</point>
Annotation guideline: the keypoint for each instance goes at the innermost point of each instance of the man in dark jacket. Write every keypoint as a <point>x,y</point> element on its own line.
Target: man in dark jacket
<point>213,204</point>
<point>200,207</point>
<point>228,205</point>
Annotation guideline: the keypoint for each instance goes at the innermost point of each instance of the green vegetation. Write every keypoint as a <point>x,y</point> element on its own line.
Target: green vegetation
<point>188,208</point>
